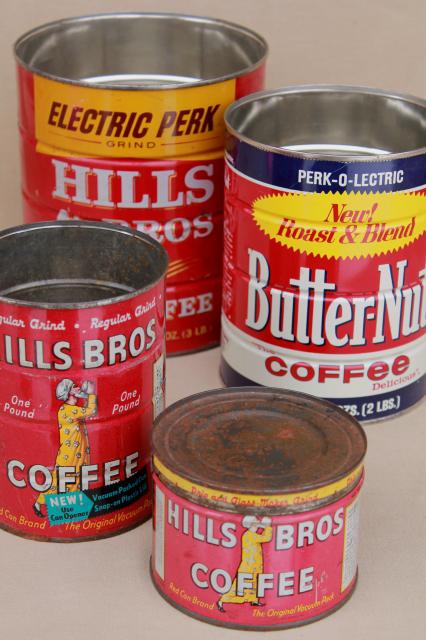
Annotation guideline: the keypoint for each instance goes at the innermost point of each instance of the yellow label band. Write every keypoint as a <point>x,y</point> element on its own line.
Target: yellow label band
<point>198,157</point>
<point>263,500</point>
<point>92,121</point>
<point>342,225</point>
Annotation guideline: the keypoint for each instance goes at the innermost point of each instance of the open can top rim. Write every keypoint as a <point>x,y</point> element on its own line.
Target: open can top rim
<point>260,99</point>
<point>146,275</point>
<point>259,441</point>
<point>250,38</point>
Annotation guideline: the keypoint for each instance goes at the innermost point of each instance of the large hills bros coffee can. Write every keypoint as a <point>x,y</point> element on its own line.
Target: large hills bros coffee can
<point>82,377</point>
<point>121,120</point>
<point>324,281</point>
<point>258,489</point>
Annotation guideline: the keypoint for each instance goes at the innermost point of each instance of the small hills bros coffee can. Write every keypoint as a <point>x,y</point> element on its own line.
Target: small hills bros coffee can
<point>256,507</point>
<point>82,349</point>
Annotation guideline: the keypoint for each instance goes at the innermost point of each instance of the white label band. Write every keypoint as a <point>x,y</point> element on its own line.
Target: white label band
<point>324,375</point>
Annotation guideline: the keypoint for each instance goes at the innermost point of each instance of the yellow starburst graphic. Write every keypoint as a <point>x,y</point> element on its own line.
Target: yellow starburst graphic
<point>342,225</point>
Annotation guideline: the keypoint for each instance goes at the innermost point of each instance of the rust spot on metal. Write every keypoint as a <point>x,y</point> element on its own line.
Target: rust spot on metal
<point>258,440</point>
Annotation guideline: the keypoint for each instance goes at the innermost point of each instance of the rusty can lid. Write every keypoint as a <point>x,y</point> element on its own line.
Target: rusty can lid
<point>229,443</point>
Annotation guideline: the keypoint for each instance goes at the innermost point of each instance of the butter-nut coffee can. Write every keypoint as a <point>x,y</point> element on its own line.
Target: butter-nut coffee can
<point>82,349</point>
<point>324,266</point>
<point>121,120</point>
<point>259,491</point>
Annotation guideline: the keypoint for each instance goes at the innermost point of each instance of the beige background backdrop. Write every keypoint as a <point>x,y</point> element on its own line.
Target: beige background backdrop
<point>102,589</point>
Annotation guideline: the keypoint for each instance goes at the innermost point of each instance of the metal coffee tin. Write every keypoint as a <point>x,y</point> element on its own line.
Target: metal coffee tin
<point>259,490</point>
<point>324,276</point>
<point>82,367</point>
<point>121,120</point>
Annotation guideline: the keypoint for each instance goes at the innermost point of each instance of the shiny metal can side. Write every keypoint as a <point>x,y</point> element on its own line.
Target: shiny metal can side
<point>259,490</point>
<point>324,272</point>
<point>121,120</point>
<point>82,348</point>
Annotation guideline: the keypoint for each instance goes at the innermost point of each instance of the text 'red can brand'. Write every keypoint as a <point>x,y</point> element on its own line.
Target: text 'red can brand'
<point>324,272</point>
<point>82,368</point>
<point>133,133</point>
<point>266,538</point>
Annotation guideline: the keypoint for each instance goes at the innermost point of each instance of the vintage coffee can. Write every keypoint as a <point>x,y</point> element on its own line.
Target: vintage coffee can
<point>258,490</point>
<point>82,349</point>
<point>121,120</point>
<point>324,276</point>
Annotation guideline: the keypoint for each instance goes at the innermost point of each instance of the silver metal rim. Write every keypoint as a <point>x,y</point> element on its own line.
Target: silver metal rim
<point>317,88</point>
<point>149,15</point>
<point>226,392</point>
<point>87,225</point>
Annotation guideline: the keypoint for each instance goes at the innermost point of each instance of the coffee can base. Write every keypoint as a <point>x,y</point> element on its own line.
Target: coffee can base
<point>365,409</point>
<point>101,536</point>
<point>244,627</point>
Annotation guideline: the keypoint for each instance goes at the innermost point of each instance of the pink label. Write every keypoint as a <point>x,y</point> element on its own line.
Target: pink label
<point>254,570</point>
<point>79,391</point>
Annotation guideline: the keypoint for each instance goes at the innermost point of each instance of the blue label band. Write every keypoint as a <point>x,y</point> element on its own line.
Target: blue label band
<point>298,174</point>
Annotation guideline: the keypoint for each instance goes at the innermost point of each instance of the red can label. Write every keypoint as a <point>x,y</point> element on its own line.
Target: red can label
<point>254,571</point>
<point>149,160</point>
<point>324,281</point>
<point>80,388</point>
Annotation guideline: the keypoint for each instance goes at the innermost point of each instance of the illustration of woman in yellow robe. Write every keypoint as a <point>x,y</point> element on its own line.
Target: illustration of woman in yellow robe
<point>258,532</point>
<point>74,449</point>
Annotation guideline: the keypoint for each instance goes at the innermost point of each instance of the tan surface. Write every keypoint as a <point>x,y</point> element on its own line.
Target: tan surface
<point>102,589</point>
